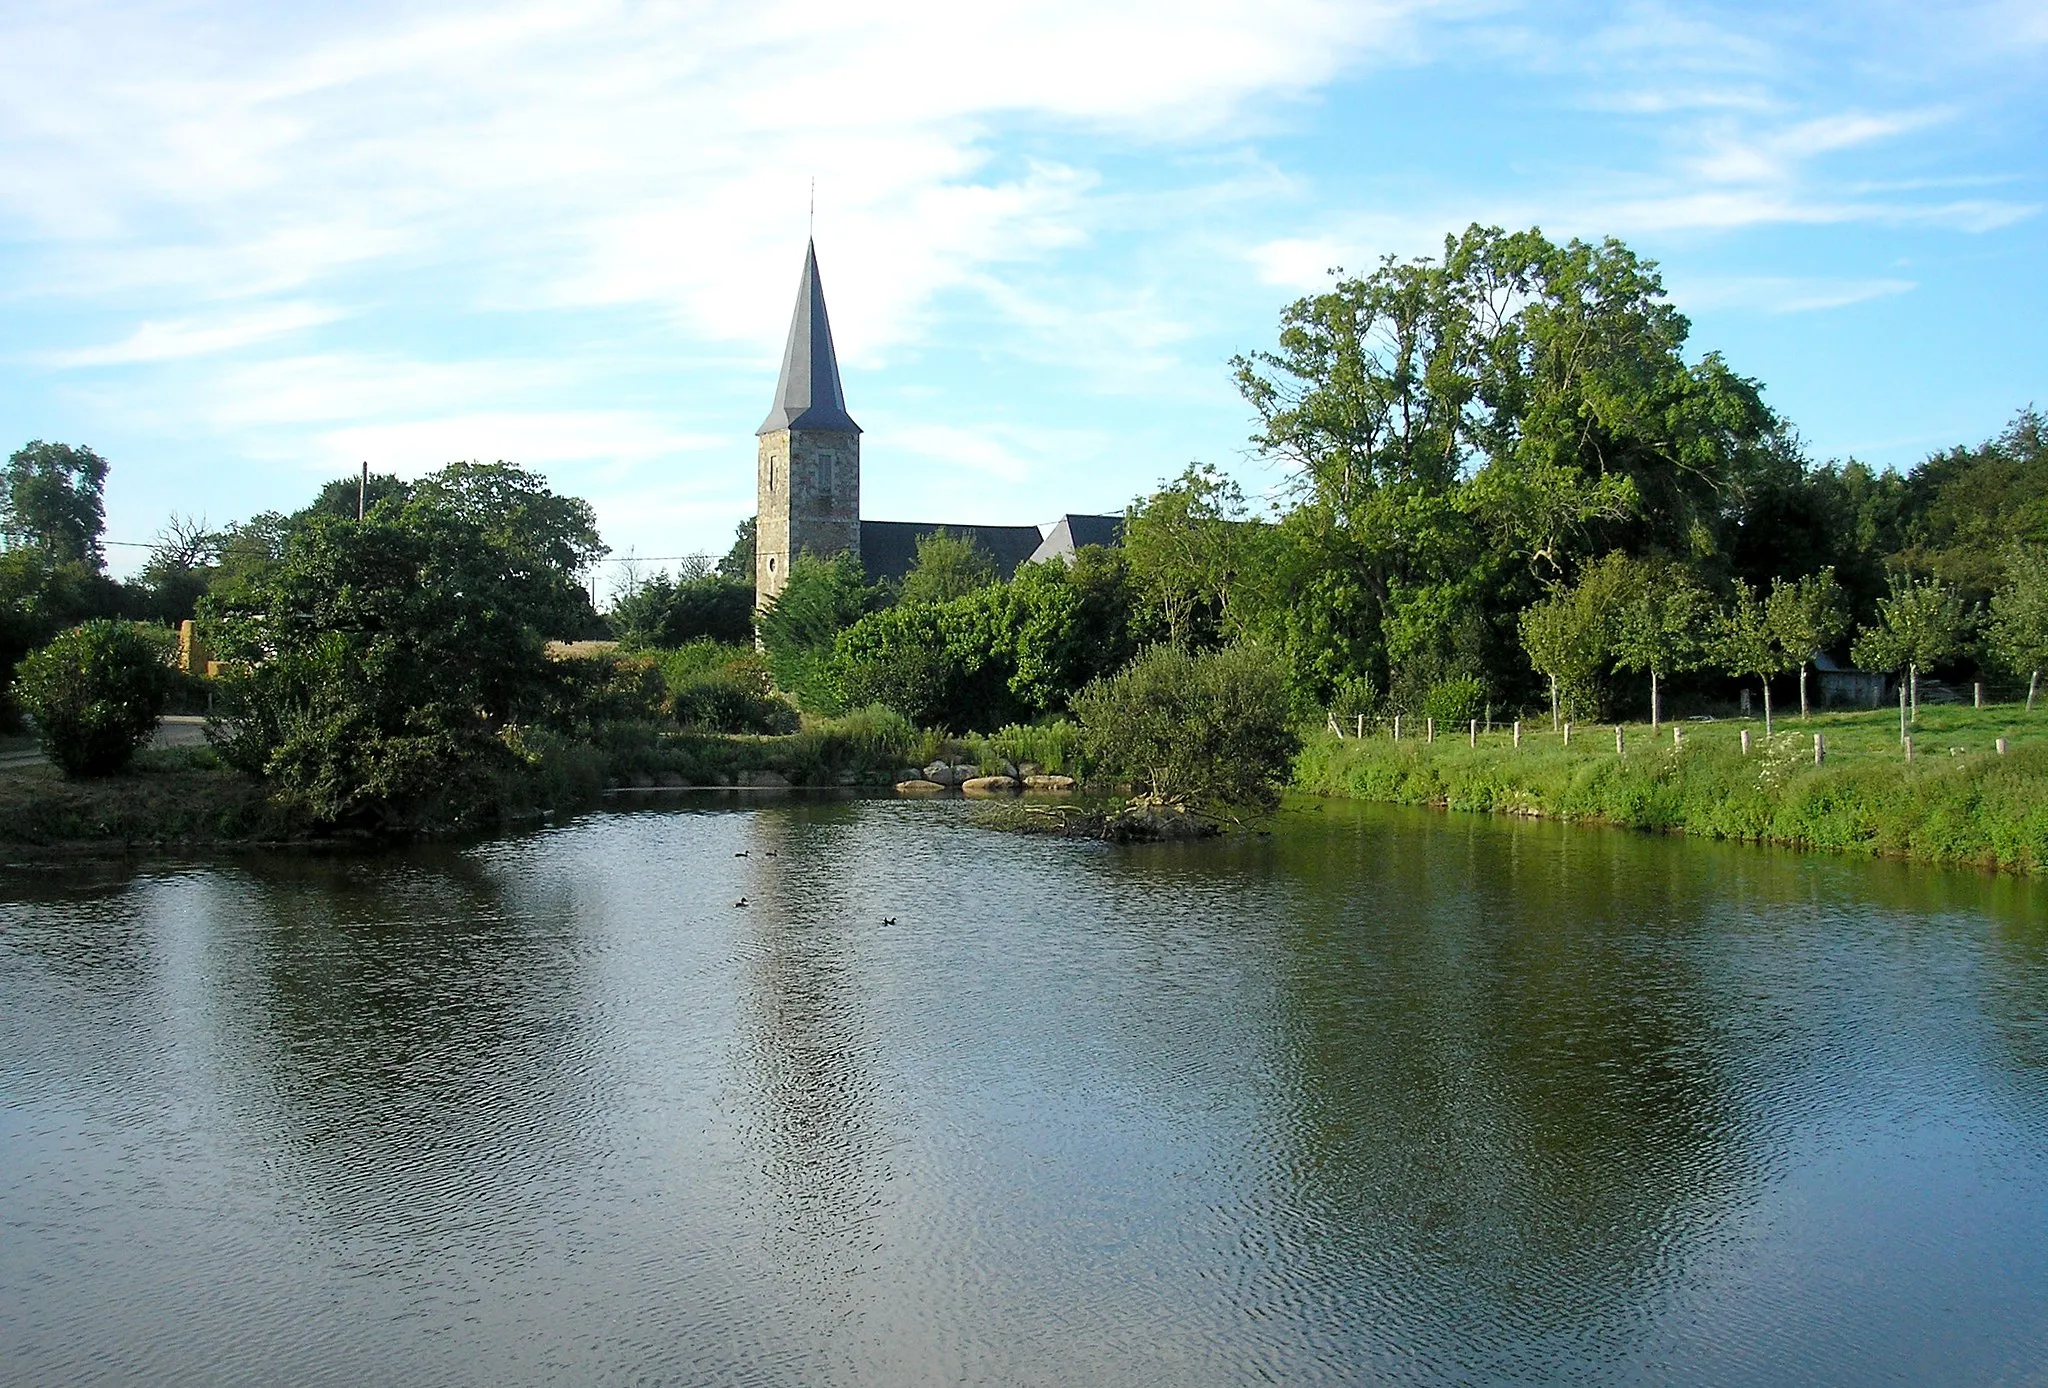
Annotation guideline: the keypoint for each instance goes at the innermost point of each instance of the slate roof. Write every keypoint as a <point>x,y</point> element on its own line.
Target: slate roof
<point>808,394</point>
<point>889,548</point>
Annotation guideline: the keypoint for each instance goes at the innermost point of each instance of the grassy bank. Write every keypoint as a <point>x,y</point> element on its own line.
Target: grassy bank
<point>1958,801</point>
<point>173,798</point>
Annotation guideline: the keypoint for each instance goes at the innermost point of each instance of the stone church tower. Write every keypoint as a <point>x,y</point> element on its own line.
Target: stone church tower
<point>808,481</point>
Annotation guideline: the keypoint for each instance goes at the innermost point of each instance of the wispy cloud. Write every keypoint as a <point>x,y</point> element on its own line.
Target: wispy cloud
<point>1780,294</point>
<point>171,341</point>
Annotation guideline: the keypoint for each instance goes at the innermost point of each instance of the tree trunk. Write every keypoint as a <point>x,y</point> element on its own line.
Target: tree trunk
<point>1767,708</point>
<point>1913,683</point>
<point>1653,698</point>
<point>1553,703</point>
<point>1803,713</point>
<point>2033,681</point>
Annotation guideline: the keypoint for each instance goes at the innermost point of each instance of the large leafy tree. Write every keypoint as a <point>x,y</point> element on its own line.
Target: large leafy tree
<point>374,671</point>
<point>50,500</point>
<point>1187,544</point>
<point>1475,427</point>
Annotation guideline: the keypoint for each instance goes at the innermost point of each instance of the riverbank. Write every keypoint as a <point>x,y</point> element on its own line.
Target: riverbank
<point>173,798</point>
<point>1958,801</point>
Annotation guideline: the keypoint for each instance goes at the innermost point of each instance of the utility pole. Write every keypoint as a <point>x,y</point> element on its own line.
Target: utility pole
<point>363,491</point>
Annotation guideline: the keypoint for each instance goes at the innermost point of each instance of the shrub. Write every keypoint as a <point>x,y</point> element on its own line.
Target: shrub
<point>1206,727</point>
<point>1454,702</point>
<point>728,701</point>
<point>1056,746</point>
<point>96,692</point>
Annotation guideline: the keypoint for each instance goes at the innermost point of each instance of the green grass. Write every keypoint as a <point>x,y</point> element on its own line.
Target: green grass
<point>172,797</point>
<point>1957,802</point>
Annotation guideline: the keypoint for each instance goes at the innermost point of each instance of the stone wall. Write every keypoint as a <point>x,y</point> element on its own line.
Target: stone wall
<point>808,501</point>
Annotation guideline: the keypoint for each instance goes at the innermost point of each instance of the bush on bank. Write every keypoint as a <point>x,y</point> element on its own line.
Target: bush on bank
<point>96,692</point>
<point>1979,809</point>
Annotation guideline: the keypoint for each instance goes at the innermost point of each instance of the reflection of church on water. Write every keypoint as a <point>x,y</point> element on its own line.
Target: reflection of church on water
<point>807,480</point>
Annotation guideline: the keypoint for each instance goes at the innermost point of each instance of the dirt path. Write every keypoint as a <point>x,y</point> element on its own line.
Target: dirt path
<point>172,730</point>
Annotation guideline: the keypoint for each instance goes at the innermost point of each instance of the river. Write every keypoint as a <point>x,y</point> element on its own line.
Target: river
<point>1387,1096</point>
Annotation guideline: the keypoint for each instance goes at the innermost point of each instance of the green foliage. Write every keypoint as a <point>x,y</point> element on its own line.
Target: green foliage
<point>50,499</point>
<point>821,598</point>
<point>1055,746</point>
<point>1455,702</point>
<point>1570,634</point>
<point>724,688</point>
<point>1001,654</point>
<point>947,566</point>
<point>374,671</point>
<point>1187,546</point>
<point>1203,727</point>
<point>738,563</point>
<point>1922,623</point>
<point>2017,634</point>
<point>1979,808</point>
<point>1807,615</point>
<point>663,613</point>
<point>1663,620</point>
<point>1748,643</point>
<point>96,692</point>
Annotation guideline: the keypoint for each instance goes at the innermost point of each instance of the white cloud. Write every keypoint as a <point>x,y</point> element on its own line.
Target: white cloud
<point>1778,294</point>
<point>531,438</point>
<point>170,341</point>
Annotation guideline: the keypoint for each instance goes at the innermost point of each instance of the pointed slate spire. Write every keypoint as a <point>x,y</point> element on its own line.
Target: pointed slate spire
<point>808,394</point>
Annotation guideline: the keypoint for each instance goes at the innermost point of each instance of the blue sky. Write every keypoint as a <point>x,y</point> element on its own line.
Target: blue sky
<point>244,247</point>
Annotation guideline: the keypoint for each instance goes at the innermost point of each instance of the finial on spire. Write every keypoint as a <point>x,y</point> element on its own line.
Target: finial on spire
<point>811,231</point>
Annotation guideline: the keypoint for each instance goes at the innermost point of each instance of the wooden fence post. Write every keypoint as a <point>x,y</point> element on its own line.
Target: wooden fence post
<point>1475,732</point>
<point>1429,730</point>
<point>2001,747</point>
<point>1677,736</point>
<point>1567,734</point>
<point>1977,694</point>
<point>1820,749</point>
<point>1745,742</point>
<point>1397,727</point>
<point>1518,732</point>
<point>1361,727</point>
<point>1909,748</point>
<point>1335,729</point>
<point>1620,748</point>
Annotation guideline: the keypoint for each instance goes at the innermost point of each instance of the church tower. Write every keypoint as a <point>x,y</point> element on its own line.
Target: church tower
<point>808,479</point>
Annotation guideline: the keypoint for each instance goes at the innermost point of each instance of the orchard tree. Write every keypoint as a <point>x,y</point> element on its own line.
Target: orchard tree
<point>1805,616</point>
<point>1920,623</point>
<point>2017,634</point>
<point>1748,644</point>
<point>1661,625</point>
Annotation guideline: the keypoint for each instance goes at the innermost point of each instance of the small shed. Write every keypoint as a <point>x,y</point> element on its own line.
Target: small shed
<point>1855,688</point>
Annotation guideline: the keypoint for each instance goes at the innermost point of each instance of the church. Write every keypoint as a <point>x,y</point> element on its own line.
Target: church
<point>807,480</point>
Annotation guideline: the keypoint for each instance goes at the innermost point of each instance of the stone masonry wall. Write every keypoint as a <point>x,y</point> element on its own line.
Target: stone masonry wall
<point>808,501</point>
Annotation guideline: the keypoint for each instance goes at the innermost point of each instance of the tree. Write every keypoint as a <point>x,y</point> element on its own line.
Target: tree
<point>50,499</point>
<point>554,538</point>
<point>1567,640</point>
<point>1749,644</point>
<point>821,598</point>
<point>738,564</point>
<point>665,613</point>
<point>96,692</point>
<point>1805,616</point>
<point>1200,727</point>
<point>1661,625</point>
<point>1186,545</point>
<point>947,566</point>
<point>343,496</point>
<point>2017,635</point>
<point>1921,623</point>
<point>180,568</point>
<point>375,672</point>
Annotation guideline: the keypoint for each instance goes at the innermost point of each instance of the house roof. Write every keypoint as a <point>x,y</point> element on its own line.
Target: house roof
<point>889,548</point>
<point>808,394</point>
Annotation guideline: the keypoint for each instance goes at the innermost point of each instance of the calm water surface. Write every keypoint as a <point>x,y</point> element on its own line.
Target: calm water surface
<point>1387,1097</point>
